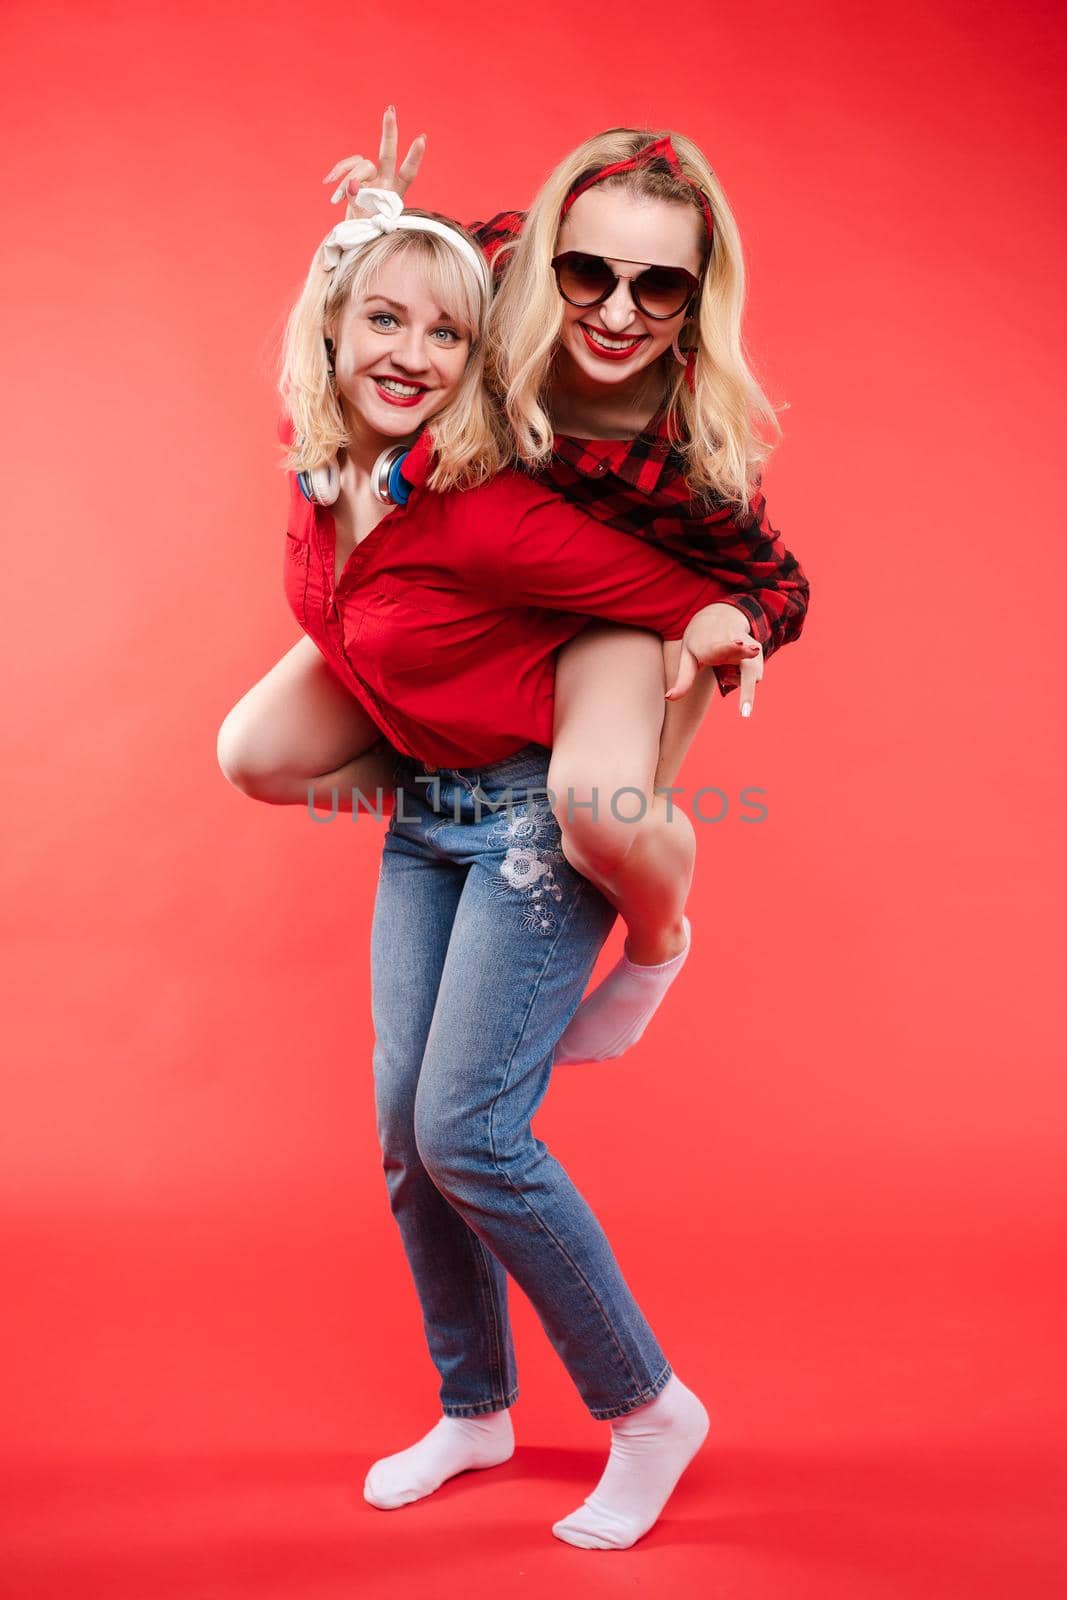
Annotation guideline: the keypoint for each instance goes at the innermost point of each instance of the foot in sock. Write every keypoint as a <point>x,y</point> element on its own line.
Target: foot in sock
<point>454,1444</point>
<point>619,1009</point>
<point>650,1449</point>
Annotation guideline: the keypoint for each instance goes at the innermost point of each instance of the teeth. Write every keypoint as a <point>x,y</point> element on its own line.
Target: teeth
<point>609,344</point>
<point>395,387</point>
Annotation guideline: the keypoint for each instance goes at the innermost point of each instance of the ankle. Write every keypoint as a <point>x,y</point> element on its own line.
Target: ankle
<point>652,946</point>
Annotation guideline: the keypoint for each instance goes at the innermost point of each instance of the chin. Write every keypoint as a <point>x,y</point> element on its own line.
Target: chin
<point>399,426</point>
<point>605,372</point>
<point>399,423</point>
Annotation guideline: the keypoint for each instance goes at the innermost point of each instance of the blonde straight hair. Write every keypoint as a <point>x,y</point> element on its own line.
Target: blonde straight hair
<point>467,433</point>
<point>714,426</point>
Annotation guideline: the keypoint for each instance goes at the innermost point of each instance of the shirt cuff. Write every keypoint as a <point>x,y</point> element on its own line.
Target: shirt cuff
<point>761,628</point>
<point>728,676</point>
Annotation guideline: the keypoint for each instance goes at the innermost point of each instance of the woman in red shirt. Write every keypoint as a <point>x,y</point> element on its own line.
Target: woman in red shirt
<point>439,620</point>
<point>616,349</point>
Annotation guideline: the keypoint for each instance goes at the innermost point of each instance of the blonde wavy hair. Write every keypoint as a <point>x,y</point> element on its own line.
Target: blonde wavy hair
<point>715,426</point>
<point>468,433</point>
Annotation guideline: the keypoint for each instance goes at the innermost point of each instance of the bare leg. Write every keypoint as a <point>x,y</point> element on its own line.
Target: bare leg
<point>609,742</point>
<point>299,727</point>
<point>663,854</point>
<point>611,737</point>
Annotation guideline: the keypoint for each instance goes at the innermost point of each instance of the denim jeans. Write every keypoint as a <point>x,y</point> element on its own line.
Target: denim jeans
<point>483,941</point>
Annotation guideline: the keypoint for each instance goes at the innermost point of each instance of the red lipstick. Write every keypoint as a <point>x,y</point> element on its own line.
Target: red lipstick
<point>399,399</point>
<point>612,355</point>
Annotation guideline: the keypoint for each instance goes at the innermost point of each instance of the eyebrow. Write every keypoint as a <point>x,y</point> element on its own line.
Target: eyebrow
<point>442,316</point>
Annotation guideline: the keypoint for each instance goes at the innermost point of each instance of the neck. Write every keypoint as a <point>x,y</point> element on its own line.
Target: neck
<point>581,406</point>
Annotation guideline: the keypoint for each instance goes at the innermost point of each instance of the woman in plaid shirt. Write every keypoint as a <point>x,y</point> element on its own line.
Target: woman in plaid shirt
<point>616,351</point>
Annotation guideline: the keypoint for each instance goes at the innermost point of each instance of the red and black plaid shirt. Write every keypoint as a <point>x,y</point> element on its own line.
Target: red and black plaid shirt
<point>638,485</point>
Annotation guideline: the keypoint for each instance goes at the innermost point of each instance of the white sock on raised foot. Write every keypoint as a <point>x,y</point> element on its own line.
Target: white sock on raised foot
<point>619,1009</point>
<point>454,1444</point>
<point>650,1449</point>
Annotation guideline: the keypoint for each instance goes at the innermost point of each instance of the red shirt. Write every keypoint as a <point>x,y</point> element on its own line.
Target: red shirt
<point>448,614</point>
<point>639,486</point>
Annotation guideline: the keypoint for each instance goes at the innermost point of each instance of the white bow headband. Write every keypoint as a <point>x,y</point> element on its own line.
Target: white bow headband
<point>388,215</point>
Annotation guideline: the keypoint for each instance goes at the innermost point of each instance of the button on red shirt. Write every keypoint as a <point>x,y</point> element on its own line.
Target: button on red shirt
<point>447,616</point>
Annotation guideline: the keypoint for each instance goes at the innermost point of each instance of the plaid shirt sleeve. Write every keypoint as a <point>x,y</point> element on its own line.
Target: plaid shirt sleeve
<point>770,586</point>
<point>652,502</point>
<point>493,235</point>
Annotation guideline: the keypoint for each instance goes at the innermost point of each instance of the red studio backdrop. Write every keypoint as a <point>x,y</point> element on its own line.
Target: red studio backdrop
<point>833,1169</point>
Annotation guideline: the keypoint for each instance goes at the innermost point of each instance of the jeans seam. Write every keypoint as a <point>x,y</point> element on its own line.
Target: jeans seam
<point>485,1286</point>
<point>477,1408</point>
<point>579,1274</point>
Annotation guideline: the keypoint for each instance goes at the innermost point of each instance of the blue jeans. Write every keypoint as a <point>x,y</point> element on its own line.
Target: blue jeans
<point>483,941</point>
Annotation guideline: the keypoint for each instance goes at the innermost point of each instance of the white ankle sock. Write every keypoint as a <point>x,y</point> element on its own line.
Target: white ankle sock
<point>619,1009</point>
<point>453,1445</point>
<point>650,1449</point>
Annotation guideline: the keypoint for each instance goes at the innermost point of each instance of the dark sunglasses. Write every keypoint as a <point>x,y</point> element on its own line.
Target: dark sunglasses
<point>658,292</point>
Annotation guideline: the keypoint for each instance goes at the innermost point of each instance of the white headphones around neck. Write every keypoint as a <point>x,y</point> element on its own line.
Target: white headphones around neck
<point>322,485</point>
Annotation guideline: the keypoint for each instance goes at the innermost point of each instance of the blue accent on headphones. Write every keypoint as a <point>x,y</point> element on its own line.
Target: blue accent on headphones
<point>397,486</point>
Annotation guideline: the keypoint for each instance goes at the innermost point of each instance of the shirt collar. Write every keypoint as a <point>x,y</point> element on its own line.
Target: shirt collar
<point>415,467</point>
<point>638,461</point>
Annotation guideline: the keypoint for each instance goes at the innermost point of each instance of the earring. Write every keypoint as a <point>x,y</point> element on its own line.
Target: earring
<point>680,355</point>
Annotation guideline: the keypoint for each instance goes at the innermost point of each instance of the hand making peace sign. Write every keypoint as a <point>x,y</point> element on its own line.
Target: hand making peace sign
<point>355,171</point>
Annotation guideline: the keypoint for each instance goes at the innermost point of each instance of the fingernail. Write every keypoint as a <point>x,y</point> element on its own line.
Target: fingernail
<point>337,193</point>
<point>746,709</point>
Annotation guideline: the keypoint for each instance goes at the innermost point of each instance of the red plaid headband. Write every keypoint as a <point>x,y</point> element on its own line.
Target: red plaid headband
<point>661,150</point>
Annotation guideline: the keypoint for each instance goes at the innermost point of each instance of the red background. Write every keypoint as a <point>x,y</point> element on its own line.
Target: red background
<point>833,1169</point>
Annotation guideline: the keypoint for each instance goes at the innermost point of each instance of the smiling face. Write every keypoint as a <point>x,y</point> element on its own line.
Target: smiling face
<point>399,355</point>
<point>612,342</point>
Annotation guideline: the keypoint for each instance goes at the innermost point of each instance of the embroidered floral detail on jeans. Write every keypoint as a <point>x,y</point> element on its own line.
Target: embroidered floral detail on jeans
<point>530,838</point>
<point>519,825</point>
<point>522,868</point>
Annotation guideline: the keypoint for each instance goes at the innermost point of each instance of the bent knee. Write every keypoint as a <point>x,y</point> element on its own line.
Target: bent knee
<point>599,821</point>
<point>243,759</point>
<point>457,1159</point>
